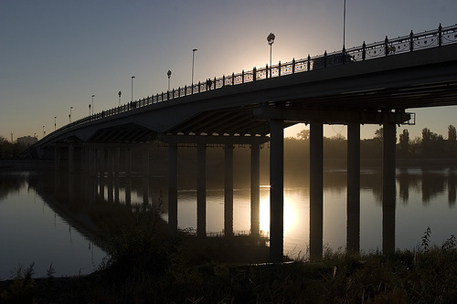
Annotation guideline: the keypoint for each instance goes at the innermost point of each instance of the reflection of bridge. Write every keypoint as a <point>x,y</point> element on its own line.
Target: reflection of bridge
<point>418,70</point>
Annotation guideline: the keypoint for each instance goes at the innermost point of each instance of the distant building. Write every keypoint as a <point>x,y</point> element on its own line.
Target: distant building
<point>27,140</point>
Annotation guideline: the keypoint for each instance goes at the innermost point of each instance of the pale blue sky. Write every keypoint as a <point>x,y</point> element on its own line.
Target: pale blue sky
<point>55,54</point>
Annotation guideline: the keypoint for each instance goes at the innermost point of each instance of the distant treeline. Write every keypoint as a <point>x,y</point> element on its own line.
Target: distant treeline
<point>430,145</point>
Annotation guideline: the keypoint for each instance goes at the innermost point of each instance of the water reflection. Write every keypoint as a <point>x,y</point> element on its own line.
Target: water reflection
<point>75,204</point>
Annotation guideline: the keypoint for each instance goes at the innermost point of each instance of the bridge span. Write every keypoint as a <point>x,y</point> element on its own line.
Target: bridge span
<point>369,84</point>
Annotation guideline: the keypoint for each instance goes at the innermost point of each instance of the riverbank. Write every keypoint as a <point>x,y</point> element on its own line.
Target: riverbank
<point>426,276</point>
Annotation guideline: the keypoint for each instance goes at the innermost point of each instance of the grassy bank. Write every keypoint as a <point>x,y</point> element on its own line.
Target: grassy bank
<point>146,266</point>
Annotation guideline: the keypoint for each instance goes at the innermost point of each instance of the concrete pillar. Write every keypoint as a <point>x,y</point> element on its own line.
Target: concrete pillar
<point>101,170</point>
<point>128,162</point>
<point>316,190</point>
<point>110,169</point>
<point>201,190</point>
<point>117,158</point>
<point>255,189</point>
<point>71,157</point>
<point>228,191</point>
<point>276,190</point>
<point>145,175</point>
<point>388,187</point>
<point>173,189</point>
<point>353,188</point>
<point>56,157</point>
<point>128,176</point>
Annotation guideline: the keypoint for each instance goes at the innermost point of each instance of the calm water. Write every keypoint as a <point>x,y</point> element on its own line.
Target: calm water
<point>41,215</point>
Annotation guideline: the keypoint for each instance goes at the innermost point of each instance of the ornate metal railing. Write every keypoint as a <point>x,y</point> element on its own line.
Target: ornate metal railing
<point>389,47</point>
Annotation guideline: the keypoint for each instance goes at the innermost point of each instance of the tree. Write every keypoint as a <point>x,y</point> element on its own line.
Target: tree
<point>452,140</point>
<point>404,149</point>
<point>303,134</point>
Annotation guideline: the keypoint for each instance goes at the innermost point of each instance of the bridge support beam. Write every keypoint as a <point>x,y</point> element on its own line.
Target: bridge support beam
<point>276,190</point>
<point>201,190</point>
<point>316,192</point>
<point>353,188</point>
<point>255,189</point>
<point>173,189</point>
<point>388,188</point>
<point>228,191</point>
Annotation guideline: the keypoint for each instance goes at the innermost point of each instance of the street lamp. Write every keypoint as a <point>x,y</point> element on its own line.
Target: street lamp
<point>133,77</point>
<point>271,39</point>
<point>89,110</point>
<point>55,123</point>
<point>92,105</point>
<point>344,28</point>
<point>120,94</point>
<point>169,76</point>
<point>69,115</point>
<point>193,65</point>
<point>44,132</point>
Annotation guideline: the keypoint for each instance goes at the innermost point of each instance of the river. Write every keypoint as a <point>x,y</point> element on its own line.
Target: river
<point>47,218</point>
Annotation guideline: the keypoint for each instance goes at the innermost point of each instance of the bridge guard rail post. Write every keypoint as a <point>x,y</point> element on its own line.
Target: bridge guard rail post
<point>388,188</point>
<point>276,190</point>
<point>201,190</point>
<point>255,189</point>
<point>228,191</point>
<point>316,203</point>
<point>353,188</point>
<point>173,189</point>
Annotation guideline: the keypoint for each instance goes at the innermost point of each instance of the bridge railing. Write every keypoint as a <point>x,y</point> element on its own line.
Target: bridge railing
<point>388,47</point>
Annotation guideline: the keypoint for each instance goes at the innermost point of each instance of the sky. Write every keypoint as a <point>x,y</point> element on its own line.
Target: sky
<point>56,54</point>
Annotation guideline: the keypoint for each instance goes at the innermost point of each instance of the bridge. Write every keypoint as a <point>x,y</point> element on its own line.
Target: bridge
<point>369,84</point>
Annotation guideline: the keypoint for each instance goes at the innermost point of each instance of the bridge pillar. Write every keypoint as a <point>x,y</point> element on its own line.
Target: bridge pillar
<point>316,192</point>
<point>353,188</point>
<point>255,189</point>
<point>110,174</point>
<point>101,171</point>
<point>128,176</point>
<point>71,157</point>
<point>388,188</point>
<point>173,189</point>
<point>228,191</point>
<point>117,158</point>
<point>201,190</point>
<point>56,157</point>
<point>146,175</point>
<point>276,190</point>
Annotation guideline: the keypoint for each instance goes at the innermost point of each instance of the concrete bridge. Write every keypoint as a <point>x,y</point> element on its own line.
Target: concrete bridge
<point>369,84</point>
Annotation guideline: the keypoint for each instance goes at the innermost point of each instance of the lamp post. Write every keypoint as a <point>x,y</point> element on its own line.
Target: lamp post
<point>92,105</point>
<point>169,76</point>
<point>55,123</point>
<point>271,40</point>
<point>44,132</point>
<point>133,77</point>
<point>120,94</point>
<point>89,110</point>
<point>193,67</point>
<point>69,115</point>
<point>344,28</point>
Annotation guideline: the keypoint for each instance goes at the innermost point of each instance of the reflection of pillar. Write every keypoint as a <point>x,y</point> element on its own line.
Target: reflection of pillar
<point>71,157</point>
<point>276,190</point>
<point>353,188</point>
<point>201,190</point>
<point>388,188</point>
<point>316,192</point>
<point>228,191</point>
<point>172,189</point>
<point>255,189</point>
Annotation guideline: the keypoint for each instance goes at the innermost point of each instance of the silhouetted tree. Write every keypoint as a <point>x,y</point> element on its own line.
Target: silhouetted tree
<point>452,140</point>
<point>403,148</point>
